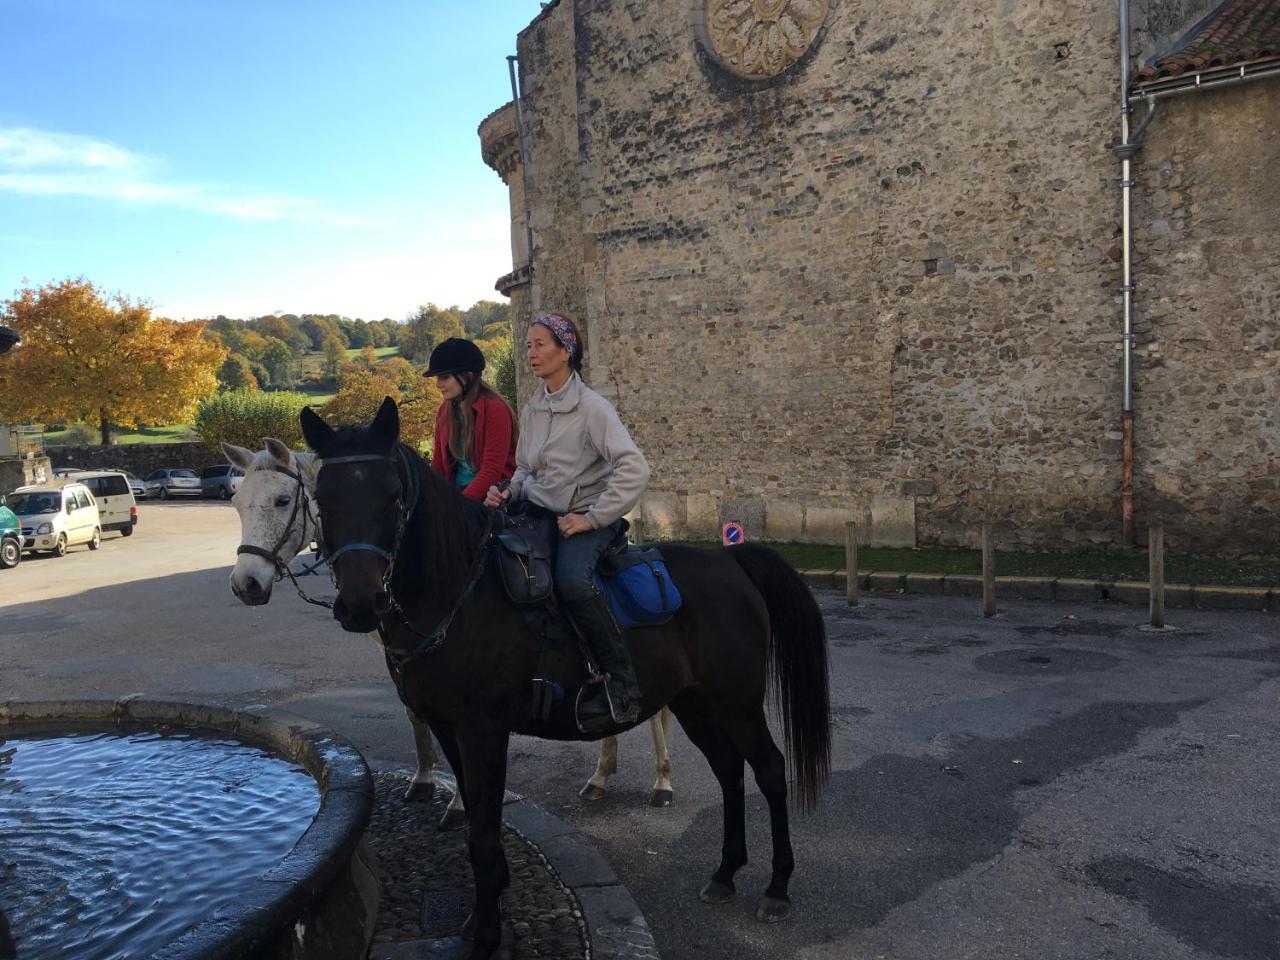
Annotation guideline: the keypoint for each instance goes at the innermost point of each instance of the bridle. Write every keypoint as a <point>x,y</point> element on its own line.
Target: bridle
<point>410,488</point>
<point>301,502</point>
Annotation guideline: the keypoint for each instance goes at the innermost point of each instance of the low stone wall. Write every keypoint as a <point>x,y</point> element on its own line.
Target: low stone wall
<point>138,458</point>
<point>16,472</point>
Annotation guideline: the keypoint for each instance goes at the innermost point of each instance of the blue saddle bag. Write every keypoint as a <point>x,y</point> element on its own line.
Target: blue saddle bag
<point>639,586</point>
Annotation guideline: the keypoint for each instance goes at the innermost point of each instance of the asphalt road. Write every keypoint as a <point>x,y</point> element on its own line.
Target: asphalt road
<point>1049,784</point>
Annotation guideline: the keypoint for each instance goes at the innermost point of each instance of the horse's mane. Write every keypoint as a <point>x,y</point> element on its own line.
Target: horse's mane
<point>449,527</point>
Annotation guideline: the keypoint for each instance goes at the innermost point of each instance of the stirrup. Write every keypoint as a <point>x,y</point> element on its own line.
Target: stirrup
<point>600,722</point>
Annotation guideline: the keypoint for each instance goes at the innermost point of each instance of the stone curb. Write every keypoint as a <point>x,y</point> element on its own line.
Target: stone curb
<point>616,929</point>
<point>1053,588</point>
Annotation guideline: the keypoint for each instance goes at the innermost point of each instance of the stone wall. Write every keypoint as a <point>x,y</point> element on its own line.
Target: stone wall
<point>139,459</point>
<point>1207,396</point>
<point>883,285</point>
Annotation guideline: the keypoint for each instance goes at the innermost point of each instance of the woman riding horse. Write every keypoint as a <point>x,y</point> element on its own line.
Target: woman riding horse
<point>576,459</point>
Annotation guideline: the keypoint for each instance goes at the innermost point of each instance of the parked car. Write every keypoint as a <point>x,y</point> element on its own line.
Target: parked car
<point>10,536</point>
<point>221,481</point>
<point>172,482</point>
<point>54,518</point>
<point>64,471</point>
<point>116,506</point>
<point>136,486</point>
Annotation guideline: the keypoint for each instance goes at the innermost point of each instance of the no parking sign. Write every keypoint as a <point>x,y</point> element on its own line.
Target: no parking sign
<point>732,533</point>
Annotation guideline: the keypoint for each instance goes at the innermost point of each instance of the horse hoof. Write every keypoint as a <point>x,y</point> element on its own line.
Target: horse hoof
<point>453,819</point>
<point>591,792</point>
<point>419,791</point>
<point>661,798</point>
<point>772,910</point>
<point>717,892</point>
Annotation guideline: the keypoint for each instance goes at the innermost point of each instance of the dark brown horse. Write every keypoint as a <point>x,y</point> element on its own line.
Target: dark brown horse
<point>413,558</point>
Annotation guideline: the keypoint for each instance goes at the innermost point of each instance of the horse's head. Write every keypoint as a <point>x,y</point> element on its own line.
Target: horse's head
<point>276,515</point>
<point>362,506</point>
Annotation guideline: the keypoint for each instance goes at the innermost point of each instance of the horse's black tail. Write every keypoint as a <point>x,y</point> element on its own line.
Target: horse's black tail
<point>798,644</point>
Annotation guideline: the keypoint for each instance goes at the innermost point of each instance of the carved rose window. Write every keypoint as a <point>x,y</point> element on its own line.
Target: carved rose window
<point>760,39</point>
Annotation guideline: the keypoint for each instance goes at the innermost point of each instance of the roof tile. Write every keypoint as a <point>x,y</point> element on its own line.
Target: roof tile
<point>1237,32</point>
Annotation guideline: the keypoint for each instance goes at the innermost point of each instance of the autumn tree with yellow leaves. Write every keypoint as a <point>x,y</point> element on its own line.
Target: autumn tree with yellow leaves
<point>105,360</point>
<point>361,392</point>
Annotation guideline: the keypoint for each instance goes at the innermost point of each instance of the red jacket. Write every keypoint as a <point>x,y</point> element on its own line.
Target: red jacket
<point>495,443</point>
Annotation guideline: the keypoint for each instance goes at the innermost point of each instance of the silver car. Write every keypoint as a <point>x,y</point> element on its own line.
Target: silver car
<point>171,482</point>
<point>221,481</point>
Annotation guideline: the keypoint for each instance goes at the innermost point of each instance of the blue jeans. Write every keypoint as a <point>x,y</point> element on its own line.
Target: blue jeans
<point>576,560</point>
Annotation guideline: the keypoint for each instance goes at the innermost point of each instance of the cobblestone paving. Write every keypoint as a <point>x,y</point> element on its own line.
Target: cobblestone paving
<point>417,863</point>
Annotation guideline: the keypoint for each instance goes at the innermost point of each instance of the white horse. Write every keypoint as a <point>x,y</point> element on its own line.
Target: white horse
<point>279,518</point>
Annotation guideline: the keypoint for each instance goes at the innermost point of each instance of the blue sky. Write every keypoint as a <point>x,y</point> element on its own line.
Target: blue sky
<point>234,157</point>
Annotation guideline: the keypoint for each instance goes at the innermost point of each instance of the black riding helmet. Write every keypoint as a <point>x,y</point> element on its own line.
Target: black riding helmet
<point>455,355</point>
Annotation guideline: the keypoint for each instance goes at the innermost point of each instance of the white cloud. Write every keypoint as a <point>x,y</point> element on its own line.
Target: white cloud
<point>45,164</point>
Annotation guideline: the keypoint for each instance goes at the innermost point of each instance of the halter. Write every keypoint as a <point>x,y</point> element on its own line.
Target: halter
<point>431,640</point>
<point>272,556</point>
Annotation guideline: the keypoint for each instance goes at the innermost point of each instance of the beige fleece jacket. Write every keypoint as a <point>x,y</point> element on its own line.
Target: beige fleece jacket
<point>575,456</point>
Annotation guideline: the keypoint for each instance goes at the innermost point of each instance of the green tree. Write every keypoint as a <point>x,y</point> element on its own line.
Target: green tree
<point>487,319</point>
<point>278,359</point>
<point>244,417</point>
<point>428,326</point>
<point>236,374</point>
<point>335,352</point>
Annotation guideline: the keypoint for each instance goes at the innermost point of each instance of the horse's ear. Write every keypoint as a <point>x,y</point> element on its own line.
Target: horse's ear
<point>318,434</point>
<point>241,457</point>
<point>385,429</point>
<point>279,452</point>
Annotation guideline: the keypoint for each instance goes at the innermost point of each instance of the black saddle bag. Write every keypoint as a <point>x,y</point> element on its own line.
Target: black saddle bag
<point>526,555</point>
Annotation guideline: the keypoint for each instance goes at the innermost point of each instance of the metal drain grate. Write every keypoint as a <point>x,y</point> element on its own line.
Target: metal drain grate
<point>444,912</point>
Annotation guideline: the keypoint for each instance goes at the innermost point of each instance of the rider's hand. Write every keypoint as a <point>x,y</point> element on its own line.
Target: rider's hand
<point>496,497</point>
<point>572,523</point>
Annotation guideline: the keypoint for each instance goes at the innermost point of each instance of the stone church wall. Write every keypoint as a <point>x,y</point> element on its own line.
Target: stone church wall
<point>883,286</point>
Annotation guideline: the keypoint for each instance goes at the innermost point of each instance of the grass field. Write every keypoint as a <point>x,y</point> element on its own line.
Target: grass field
<point>380,352</point>
<point>169,433</point>
<point>1089,564</point>
<point>316,393</point>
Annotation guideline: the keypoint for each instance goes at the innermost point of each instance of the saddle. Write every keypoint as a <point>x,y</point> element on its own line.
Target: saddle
<point>635,580</point>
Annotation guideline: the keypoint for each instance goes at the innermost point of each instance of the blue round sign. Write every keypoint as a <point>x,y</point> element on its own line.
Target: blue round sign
<point>732,533</point>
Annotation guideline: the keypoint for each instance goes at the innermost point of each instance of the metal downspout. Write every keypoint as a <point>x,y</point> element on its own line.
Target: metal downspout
<point>1125,152</point>
<point>524,161</point>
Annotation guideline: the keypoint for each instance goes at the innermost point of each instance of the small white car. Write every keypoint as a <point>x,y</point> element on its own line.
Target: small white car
<point>55,518</point>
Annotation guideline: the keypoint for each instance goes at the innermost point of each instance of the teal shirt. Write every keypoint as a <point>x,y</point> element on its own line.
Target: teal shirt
<point>463,474</point>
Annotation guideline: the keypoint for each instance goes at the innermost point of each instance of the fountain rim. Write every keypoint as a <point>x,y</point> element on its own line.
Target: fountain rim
<point>283,893</point>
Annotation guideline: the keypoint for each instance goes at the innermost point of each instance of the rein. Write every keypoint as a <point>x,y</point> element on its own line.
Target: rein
<point>431,640</point>
<point>272,556</point>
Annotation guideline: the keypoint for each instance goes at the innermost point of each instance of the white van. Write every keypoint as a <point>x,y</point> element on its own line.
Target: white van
<point>117,508</point>
<point>54,518</point>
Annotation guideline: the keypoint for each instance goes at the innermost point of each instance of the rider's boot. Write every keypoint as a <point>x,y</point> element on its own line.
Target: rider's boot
<point>616,702</point>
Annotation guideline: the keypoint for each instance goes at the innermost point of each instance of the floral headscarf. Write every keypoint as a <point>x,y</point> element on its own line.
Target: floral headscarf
<point>562,329</point>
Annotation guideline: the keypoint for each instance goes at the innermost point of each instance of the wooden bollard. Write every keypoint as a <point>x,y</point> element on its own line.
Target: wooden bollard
<point>988,571</point>
<point>851,562</point>
<point>1155,557</point>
